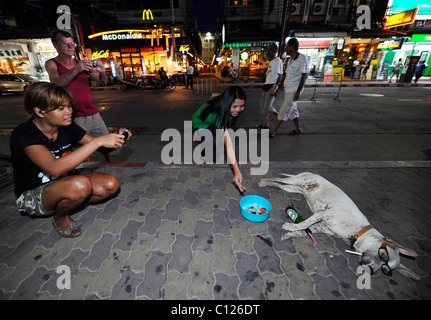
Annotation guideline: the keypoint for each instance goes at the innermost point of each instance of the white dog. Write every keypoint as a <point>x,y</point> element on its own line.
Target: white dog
<point>337,215</point>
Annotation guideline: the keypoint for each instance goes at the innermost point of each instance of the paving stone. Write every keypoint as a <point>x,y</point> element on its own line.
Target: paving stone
<point>203,238</point>
<point>100,252</point>
<point>251,282</point>
<point>165,236</point>
<point>300,284</point>
<point>269,261</point>
<point>153,220</point>
<point>125,288</point>
<point>176,283</point>
<point>221,221</point>
<point>128,236</point>
<point>224,257</point>
<point>275,287</point>
<point>173,210</point>
<point>155,276</point>
<point>181,254</point>
<point>29,288</point>
<point>202,276</point>
<point>225,287</point>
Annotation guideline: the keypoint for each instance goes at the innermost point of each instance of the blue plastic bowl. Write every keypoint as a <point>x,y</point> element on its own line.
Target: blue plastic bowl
<point>251,200</point>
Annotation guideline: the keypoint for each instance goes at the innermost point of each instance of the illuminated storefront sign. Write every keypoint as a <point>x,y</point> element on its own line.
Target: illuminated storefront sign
<point>184,47</point>
<point>421,38</point>
<point>390,44</point>
<point>147,14</point>
<point>314,42</point>
<point>248,44</point>
<point>398,6</point>
<point>400,19</point>
<point>119,34</point>
<point>100,54</point>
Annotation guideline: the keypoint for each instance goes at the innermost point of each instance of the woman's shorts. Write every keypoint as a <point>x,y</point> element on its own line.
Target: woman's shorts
<point>31,202</point>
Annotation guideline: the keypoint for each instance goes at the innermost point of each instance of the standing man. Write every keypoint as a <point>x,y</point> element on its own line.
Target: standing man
<point>66,71</point>
<point>419,70</point>
<point>190,71</point>
<point>274,76</point>
<point>294,81</point>
<point>396,71</point>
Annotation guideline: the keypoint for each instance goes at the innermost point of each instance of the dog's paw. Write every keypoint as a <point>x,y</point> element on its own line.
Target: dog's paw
<point>287,235</point>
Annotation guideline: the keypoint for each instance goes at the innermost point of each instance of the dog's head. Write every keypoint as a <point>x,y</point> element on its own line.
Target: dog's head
<point>386,257</point>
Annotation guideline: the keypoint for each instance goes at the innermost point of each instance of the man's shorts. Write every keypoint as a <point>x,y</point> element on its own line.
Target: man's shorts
<point>31,202</point>
<point>93,125</point>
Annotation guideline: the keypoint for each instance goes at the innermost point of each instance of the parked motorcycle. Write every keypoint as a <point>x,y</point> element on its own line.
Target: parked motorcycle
<point>157,83</point>
<point>127,84</point>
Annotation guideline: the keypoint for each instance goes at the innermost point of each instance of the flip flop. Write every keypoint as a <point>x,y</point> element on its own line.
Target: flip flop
<point>73,231</point>
<point>294,132</point>
<point>262,126</point>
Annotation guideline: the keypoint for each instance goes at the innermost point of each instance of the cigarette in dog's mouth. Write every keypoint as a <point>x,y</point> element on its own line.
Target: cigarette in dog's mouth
<point>354,252</point>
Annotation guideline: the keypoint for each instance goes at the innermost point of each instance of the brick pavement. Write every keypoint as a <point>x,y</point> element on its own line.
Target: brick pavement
<point>177,233</point>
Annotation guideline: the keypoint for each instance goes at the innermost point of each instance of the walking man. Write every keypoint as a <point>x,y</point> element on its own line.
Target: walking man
<point>274,76</point>
<point>294,82</point>
<point>190,71</point>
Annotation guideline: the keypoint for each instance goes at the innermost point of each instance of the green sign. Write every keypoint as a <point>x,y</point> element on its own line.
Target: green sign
<point>421,38</point>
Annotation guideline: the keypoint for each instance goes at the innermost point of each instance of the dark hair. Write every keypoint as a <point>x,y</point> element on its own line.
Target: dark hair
<point>222,104</point>
<point>45,96</point>
<point>54,35</point>
<point>293,42</point>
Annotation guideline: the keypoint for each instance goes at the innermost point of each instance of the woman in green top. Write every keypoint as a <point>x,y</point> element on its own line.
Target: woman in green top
<point>222,112</point>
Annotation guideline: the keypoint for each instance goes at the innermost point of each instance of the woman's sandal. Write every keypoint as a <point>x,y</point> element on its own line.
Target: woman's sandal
<point>73,231</point>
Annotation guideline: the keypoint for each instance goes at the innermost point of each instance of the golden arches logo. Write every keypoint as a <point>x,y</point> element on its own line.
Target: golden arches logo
<point>146,14</point>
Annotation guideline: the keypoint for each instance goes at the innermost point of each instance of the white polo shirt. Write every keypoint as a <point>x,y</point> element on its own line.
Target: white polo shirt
<point>275,68</point>
<point>294,70</point>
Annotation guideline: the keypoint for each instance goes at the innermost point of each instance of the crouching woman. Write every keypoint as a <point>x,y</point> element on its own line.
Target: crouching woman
<point>44,159</point>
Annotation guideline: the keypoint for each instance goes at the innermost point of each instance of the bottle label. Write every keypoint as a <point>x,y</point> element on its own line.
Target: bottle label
<point>292,214</point>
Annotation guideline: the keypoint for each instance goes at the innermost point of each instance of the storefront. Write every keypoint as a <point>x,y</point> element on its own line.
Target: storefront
<point>249,58</point>
<point>131,53</point>
<point>26,56</point>
<point>316,49</point>
<point>355,55</point>
<point>14,59</point>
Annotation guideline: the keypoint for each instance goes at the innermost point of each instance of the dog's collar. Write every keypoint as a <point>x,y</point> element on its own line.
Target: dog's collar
<point>350,241</point>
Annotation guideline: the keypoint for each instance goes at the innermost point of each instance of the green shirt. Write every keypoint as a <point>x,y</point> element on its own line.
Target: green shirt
<point>209,121</point>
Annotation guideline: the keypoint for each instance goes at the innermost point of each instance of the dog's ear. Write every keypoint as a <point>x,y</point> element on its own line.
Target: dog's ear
<point>403,250</point>
<point>407,272</point>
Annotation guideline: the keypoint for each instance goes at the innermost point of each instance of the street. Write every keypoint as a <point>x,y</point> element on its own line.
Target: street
<point>386,123</point>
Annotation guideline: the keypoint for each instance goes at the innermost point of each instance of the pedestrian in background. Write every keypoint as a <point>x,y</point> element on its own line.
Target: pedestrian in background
<point>66,71</point>
<point>222,112</point>
<point>190,71</point>
<point>294,77</point>
<point>396,71</point>
<point>44,160</point>
<point>274,74</point>
<point>419,70</point>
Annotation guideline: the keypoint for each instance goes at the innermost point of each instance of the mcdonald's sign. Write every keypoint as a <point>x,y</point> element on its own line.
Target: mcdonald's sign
<point>147,14</point>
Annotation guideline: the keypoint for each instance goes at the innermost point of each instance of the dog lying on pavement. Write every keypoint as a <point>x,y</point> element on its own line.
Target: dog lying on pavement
<point>334,213</point>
